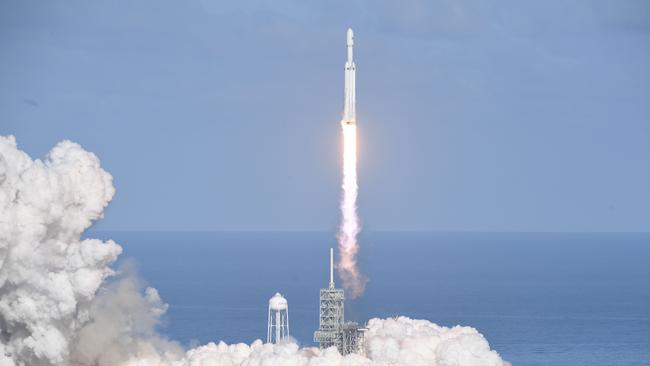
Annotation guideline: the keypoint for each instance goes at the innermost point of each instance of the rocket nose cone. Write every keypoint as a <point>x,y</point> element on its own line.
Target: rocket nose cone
<point>350,37</point>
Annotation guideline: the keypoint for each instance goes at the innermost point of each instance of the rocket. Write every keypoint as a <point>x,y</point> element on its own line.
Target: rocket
<point>349,109</point>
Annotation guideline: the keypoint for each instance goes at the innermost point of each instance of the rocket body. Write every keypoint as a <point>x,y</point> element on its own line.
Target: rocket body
<point>349,109</point>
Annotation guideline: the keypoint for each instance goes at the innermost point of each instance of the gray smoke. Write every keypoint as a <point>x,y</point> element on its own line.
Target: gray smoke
<point>62,304</point>
<point>121,326</point>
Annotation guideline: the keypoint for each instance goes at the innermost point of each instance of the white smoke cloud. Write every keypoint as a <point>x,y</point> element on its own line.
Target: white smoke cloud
<point>57,308</point>
<point>396,342</point>
<point>49,275</point>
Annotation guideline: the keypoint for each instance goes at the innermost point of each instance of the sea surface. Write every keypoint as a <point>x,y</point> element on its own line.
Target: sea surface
<point>564,299</point>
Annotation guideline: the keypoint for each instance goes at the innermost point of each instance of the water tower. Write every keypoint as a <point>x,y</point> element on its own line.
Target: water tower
<point>278,327</point>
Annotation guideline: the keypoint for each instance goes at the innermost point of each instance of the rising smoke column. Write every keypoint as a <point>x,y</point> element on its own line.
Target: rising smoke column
<point>353,281</point>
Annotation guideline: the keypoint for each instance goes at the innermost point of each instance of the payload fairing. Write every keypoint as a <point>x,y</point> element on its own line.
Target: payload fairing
<point>349,112</point>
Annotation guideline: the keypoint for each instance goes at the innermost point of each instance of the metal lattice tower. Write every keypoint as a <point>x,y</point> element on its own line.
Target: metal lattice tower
<point>331,312</point>
<point>333,331</point>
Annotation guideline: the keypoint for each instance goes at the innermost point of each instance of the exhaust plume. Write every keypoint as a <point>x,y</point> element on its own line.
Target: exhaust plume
<point>353,280</point>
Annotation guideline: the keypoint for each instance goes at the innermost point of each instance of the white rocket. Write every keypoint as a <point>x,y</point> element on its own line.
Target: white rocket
<point>349,110</point>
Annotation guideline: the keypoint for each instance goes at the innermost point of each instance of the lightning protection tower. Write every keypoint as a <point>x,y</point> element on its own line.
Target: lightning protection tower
<point>331,312</point>
<point>278,325</point>
<point>333,330</point>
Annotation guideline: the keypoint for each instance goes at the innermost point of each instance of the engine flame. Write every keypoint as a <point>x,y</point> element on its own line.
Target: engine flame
<point>353,280</point>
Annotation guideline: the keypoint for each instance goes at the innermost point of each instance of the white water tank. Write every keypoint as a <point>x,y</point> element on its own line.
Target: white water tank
<point>278,324</point>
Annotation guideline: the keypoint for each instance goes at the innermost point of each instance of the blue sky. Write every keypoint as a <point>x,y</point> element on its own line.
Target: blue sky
<point>473,115</point>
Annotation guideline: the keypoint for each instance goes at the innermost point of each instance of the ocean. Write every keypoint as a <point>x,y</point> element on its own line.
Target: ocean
<point>538,298</point>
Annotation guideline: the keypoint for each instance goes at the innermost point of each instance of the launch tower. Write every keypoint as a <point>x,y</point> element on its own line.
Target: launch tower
<point>333,330</point>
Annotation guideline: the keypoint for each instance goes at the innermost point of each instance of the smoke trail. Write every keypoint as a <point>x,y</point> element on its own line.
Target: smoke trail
<point>353,280</point>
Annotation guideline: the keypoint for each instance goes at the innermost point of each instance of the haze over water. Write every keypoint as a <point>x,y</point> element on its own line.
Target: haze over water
<point>539,298</point>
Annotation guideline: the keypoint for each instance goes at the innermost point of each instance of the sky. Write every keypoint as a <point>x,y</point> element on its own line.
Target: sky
<point>218,115</point>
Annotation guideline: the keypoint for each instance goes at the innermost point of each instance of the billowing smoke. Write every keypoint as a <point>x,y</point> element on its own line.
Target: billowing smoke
<point>49,276</point>
<point>61,303</point>
<point>55,305</point>
<point>353,280</point>
<point>396,342</point>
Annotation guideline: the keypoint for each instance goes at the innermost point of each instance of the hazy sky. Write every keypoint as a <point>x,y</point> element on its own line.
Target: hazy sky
<point>518,115</point>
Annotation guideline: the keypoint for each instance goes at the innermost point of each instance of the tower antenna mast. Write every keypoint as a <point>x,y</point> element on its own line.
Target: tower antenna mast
<point>331,267</point>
